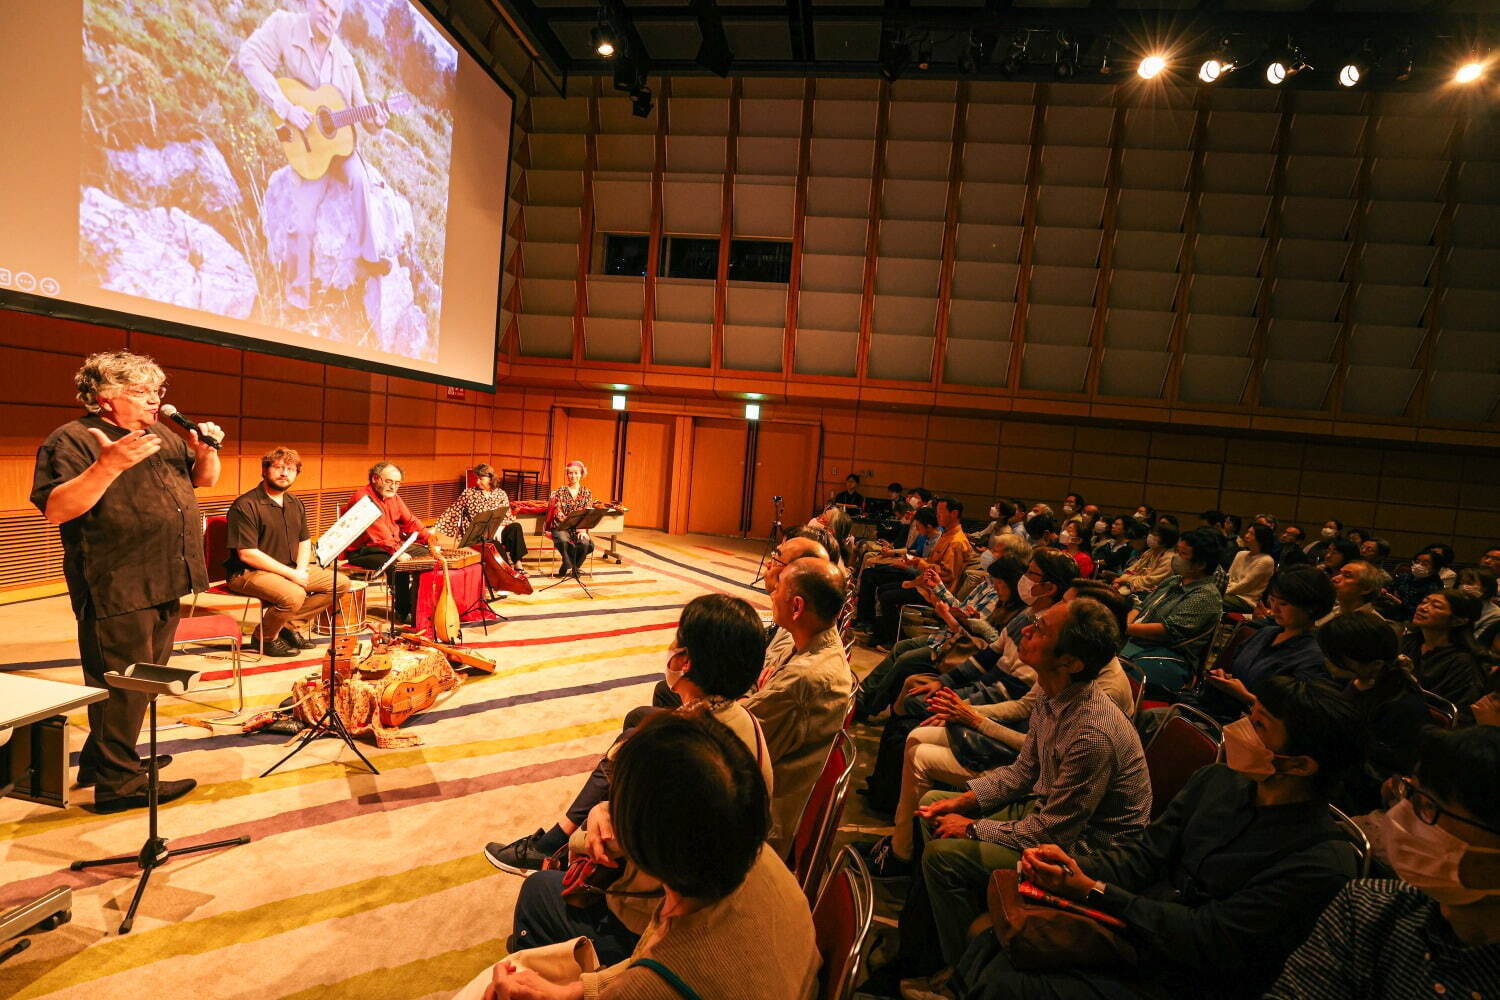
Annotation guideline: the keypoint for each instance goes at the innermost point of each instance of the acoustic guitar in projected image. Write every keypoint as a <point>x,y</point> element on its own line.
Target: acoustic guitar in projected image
<point>311,151</point>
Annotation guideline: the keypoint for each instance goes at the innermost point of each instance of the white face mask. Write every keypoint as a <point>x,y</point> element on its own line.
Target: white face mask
<point>1026,588</point>
<point>673,675</point>
<point>1139,516</point>
<point>1246,752</point>
<point>1328,532</point>
<point>1421,571</point>
<point>1431,858</point>
<point>1066,540</point>
<point>1472,589</point>
<point>1069,508</point>
<point>985,558</point>
<point>1100,527</point>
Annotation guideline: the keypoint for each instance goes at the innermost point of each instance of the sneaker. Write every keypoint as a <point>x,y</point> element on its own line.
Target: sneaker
<point>883,862</point>
<point>275,647</point>
<point>87,778</point>
<point>166,791</point>
<point>520,857</point>
<point>291,638</point>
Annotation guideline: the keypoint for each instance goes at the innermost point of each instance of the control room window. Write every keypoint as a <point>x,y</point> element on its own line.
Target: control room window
<point>760,260</point>
<point>626,254</point>
<point>690,257</point>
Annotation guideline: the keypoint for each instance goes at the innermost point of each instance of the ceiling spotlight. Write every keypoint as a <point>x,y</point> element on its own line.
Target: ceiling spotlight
<point>1401,64</point>
<point>1470,71</point>
<point>1285,66</point>
<point>1350,74</point>
<point>1015,59</point>
<point>1066,66</point>
<point>924,52</point>
<point>974,55</point>
<point>640,102</point>
<point>1151,67</point>
<point>1213,70</point>
<point>603,43</point>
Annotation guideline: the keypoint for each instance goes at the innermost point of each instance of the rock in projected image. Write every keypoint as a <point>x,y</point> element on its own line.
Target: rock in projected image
<point>163,254</point>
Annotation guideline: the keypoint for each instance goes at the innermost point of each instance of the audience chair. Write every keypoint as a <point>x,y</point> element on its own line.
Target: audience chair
<point>1137,690</point>
<point>1186,740</point>
<point>199,629</point>
<point>1238,636</point>
<point>821,815</point>
<point>215,552</point>
<point>1442,712</point>
<point>1357,839</point>
<point>841,923</point>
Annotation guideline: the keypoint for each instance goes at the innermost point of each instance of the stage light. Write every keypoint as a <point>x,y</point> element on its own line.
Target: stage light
<point>1015,59</point>
<point>895,56</point>
<point>603,44</point>
<point>1151,67</point>
<point>1276,72</point>
<point>974,55</point>
<point>640,102</point>
<point>1213,70</point>
<point>752,411</point>
<point>1066,66</point>
<point>1469,72</point>
<point>1350,75</point>
<point>1287,64</point>
<point>617,402</point>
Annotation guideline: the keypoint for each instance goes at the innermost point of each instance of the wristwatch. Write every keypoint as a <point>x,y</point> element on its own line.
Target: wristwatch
<point>972,832</point>
<point>1095,896</point>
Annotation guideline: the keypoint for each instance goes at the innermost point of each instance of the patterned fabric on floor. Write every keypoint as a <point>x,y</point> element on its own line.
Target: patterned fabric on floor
<point>357,885</point>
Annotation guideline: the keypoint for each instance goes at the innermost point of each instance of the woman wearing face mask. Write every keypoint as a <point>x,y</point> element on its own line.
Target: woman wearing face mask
<point>1435,930</point>
<point>1479,581</point>
<point>1001,511</point>
<point>1223,884</point>
<point>1442,650</point>
<point>1114,553</point>
<point>1332,529</point>
<point>1071,541</point>
<point>717,654</point>
<point>1251,570</point>
<point>1154,565</point>
<point>1172,627</point>
<point>1363,654</point>
<point>1420,579</point>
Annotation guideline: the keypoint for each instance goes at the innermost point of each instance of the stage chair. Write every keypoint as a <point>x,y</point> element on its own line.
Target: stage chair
<point>215,552</point>
<point>821,815</point>
<point>200,629</point>
<point>1178,750</point>
<point>841,921</point>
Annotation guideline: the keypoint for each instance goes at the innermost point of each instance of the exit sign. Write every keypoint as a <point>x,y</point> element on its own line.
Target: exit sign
<point>455,392</point>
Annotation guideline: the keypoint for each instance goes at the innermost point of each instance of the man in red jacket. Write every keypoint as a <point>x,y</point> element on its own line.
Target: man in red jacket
<point>384,536</point>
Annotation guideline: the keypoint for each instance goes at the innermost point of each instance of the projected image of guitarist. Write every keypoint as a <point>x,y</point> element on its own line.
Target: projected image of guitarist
<point>307,76</point>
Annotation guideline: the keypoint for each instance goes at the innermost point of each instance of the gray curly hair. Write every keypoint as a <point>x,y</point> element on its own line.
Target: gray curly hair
<point>107,371</point>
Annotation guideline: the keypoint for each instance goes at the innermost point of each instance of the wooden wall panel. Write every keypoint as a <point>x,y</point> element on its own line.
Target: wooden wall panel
<point>785,466</point>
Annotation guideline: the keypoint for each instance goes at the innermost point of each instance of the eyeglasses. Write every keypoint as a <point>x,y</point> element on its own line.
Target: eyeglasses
<point>284,468</point>
<point>143,391</point>
<point>387,482</point>
<point>775,560</point>
<point>1423,805</point>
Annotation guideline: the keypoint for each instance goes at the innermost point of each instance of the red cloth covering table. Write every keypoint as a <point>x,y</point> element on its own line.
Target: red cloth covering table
<point>468,594</point>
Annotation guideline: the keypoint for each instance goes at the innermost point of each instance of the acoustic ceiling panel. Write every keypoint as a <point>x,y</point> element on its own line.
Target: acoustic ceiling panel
<point>1001,204</point>
<point>1152,290</point>
<point>1293,298</point>
<point>699,116</point>
<point>1064,286</point>
<point>1145,251</point>
<point>1423,137</point>
<point>1397,264</point>
<point>1159,128</point>
<point>685,300</point>
<point>1223,336</point>
<point>1407,179</point>
<point>1467,350</point>
<point>545,336</point>
<point>1320,176</point>
<point>1470,309</point>
<point>1160,211</point>
<point>825,352</point>
<point>1301,340</point>
<point>1077,207</point>
<point>755,348</point>
<point>920,120</point>
<point>828,310</point>
<point>616,297</point>
<point>1233,214</point>
<point>616,340</point>
<point>1075,126</point>
<point>978,320</point>
<point>845,197</point>
<point>557,152</point>
<point>1138,374</point>
<point>1238,173</point>
<point>832,272</point>
<point>1156,169</point>
<point>766,155</point>
<point>549,296</point>
<point>982,280</point>
<point>1008,123</point>
<point>1378,391</point>
<point>1059,326</point>
<point>976,362</point>
<point>1138,330</point>
<point>695,154</point>
<point>681,343</point>
<point>844,119</point>
<point>1476,225</point>
<point>1380,346</point>
<point>1239,255</point>
<point>995,162</point>
<point>906,276</point>
<point>1223,295</point>
<point>550,260</point>
<point>1053,369</point>
<point>1462,395</point>
<point>626,153</point>
<point>1295,385</point>
<point>1318,218</point>
<point>918,160</point>
<point>905,316</point>
<point>1071,247</point>
<point>764,210</point>
<point>1241,131</point>
<point>840,236</point>
<point>841,157</point>
<point>1085,166</point>
<point>1389,305</point>
<point>769,116</point>
<point>1212,378</point>
<point>624,207</point>
<point>555,114</point>
<point>900,357</point>
<point>553,225</point>
<point>756,304</point>
<point>906,238</point>
<point>914,199</point>
<point>993,244</point>
<point>1328,134</point>
<point>1401,221</point>
<point>1470,267</point>
<point>1323,260</point>
<point>615,115</point>
<point>1479,181</point>
<point>554,187</point>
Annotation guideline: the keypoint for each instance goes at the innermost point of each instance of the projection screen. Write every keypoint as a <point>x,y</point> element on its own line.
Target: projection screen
<point>323,179</point>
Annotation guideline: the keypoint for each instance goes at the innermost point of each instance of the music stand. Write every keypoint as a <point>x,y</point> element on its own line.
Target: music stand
<point>583,520</point>
<point>334,541</point>
<point>485,530</point>
<point>153,680</point>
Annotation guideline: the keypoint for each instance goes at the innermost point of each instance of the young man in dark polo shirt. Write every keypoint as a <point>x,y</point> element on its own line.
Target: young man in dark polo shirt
<point>122,490</point>
<point>270,557</point>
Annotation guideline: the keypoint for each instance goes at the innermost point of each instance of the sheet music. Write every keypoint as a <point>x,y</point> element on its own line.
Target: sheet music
<point>398,553</point>
<point>345,530</point>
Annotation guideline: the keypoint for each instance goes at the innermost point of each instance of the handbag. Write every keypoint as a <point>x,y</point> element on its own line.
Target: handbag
<point>976,751</point>
<point>1038,935</point>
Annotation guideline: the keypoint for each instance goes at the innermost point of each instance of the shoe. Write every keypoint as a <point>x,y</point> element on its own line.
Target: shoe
<point>880,857</point>
<point>88,779</point>
<point>560,573</point>
<point>519,857</point>
<point>166,791</point>
<point>275,647</point>
<point>296,641</point>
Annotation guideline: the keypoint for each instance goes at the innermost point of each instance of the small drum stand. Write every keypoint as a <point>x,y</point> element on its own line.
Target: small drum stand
<point>330,724</point>
<point>152,680</point>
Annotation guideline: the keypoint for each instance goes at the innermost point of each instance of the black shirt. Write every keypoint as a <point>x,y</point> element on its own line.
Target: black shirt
<point>258,522</point>
<point>142,544</point>
<point>850,498</point>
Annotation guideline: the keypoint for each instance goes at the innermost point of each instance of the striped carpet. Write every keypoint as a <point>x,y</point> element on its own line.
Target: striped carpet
<point>354,885</point>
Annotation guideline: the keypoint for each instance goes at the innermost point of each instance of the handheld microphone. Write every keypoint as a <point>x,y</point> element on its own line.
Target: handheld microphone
<point>170,412</point>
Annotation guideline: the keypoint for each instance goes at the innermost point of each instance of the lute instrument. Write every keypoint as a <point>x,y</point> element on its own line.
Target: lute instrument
<point>446,624</point>
<point>456,655</point>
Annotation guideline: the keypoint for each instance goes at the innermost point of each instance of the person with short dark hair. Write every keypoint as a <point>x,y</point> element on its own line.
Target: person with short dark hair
<point>270,558</point>
<point>1442,651</point>
<point>1224,884</point>
<point>1336,553</point>
<point>1081,760</point>
<point>1174,623</point>
<point>1251,570</point>
<point>690,810</point>
<point>1491,559</point>
<point>1125,540</point>
<point>485,495</point>
<point>948,557</point>
<point>1375,550</point>
<point>884,565</point>
<point>1330,531</point>
<point>1363,653</point>
<point>849,496</point>
<point>1432,931</point>
<point>1422,577</point>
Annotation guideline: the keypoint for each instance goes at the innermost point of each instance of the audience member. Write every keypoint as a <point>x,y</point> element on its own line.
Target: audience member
<point>1080,781</point>
<point>1375,550</point>
<point>1251,569</point>
<point>1337,552</point>
<point>949,556</point>
<point>1421,578</point>
<point>1479,582</point>
<point>850,496</point>
<point>1356,585</point>
<point>1434,930</point>
<point>1441,648</point>
<point>1445,557</point>
<point>1123,553</point>
<point>889,565</point>
<point>1363,652</point>
<point>1070,539</point>
<point>1001,514</point>
<point>1332,530</point>
<point>1224,884</point>
<point>1145,514</point>
<point>690,810</point>
<point>1174,624</point>
<point>1491,559</point>
<point>1154,565</point>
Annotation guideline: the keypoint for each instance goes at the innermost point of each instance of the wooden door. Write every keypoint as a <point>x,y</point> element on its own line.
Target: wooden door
<point>718,477</point>
<point>786,463</point>
<point>648,469</point>
<point>589,437</point>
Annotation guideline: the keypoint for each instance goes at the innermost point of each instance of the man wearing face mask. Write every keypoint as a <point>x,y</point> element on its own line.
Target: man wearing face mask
<point>1225,882</point>
<point>1435,931</point>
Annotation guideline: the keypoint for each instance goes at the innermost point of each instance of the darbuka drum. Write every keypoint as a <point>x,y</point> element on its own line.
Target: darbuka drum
<point>351,607</point>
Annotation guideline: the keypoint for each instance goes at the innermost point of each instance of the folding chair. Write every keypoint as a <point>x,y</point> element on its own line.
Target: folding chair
<point>841,923</point>
<point>1177,750</point>
<point>215,552</point>
<point>1357,839</point>
<point>199,629</point>
<point>1442,712</point>
<point>821,815</point>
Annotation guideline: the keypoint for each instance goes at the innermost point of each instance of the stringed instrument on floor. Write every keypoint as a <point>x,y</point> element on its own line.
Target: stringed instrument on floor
<point>412,693</point>
<point>500,573</point>
<point>446,624</point>
<point>456,655</point>
<point>311,151</point>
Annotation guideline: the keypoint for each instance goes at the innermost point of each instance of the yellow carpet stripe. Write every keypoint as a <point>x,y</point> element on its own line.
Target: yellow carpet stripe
<point>444,973</point>
<point>224,930</point>
<point>633,596</point>
<point>390,760</point>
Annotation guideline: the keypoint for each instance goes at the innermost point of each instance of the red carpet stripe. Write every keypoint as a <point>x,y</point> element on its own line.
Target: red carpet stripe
<point>304,819</point>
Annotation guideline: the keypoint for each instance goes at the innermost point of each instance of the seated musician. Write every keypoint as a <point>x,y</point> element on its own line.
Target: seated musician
<point>572,546</point>
<point>270,557</point>
<point>384,536</point>
<point>485,495</point>
<point>849,497</point>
